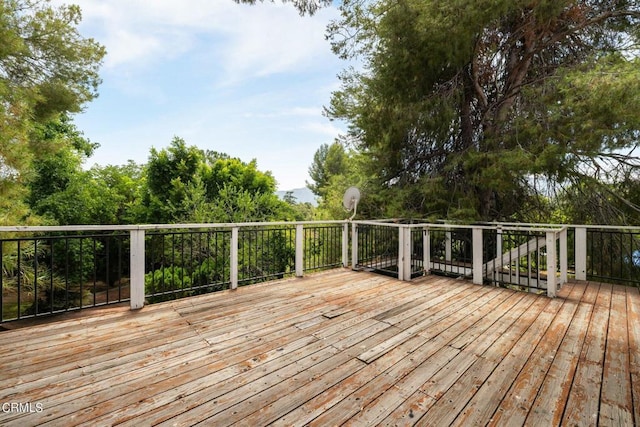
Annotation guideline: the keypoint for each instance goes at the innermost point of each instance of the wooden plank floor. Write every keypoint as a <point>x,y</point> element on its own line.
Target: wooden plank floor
<point>335,348</point>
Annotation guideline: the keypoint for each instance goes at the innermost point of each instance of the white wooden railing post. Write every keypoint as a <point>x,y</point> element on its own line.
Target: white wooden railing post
<point>447,246</point>
<point>406,250</point>
<point>234,258</point>
<point>354,245</point>
<point>564,258</point>
<point>400,253</point>
<point>136,292</point>
<point>345,244</point>
<point>552,264</point>
<point>477,255</point>
<point>299,250</point>
<point>581,253</point>
<point>408,261</point>
<point>499,242</point>
<point>426,251</point>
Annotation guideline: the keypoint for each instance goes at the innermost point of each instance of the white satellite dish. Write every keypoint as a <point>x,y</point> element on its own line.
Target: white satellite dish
<point>351,199</point>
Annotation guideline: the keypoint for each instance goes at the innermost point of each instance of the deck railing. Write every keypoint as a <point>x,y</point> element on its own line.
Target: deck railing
<point>61,269</point>
<point>47,270</point>
<point>612,254</point>
<point>522,257</point>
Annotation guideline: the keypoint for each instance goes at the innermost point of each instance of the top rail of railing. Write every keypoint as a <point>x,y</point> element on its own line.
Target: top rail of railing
<point>587,226</point>
<point>448,225</point>
<point>394,222</point>
<point>56,228</point>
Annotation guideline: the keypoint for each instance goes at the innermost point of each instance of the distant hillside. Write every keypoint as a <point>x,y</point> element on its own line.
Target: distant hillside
<point>302,195</point>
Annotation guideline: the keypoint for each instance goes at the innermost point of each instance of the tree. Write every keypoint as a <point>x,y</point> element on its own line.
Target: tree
<point>45,59</point>
<point>236,204</point>
<point>476,108</point>
<point>47,69</point>
<point>59,190</point>
<point>186,184</point>
<point>122,186</point>
<point>226,171</point>
<point>169,172</point>
<point>304,6</point>
<point>328,160</point>
<point>353,171</point>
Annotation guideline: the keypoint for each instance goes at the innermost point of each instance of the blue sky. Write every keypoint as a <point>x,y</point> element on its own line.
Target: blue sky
<point>249,81</point>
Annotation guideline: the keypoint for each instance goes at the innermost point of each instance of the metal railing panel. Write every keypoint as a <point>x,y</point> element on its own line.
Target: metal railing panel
<point>323,246</point>
<point>181,263</point>
<point>613,256</point>
<point>451,252</point>
<point>265,253</point>
<point>378,248</point>
<point>516,259</point>
<point>55,273</point>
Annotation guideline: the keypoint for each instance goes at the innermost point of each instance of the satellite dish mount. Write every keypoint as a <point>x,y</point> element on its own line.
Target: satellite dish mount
<point>351,199</point>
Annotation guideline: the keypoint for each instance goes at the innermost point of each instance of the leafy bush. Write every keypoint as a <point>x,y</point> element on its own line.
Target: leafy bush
<point>167,279</point>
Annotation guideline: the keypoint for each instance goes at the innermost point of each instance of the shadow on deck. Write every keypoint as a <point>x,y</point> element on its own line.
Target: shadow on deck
<point>332,348</point>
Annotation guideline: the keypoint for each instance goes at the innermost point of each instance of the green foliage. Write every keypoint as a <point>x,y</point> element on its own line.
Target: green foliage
<point>82,200</point>
<point>46,69</point>
<point>61,192</point>
<point>59,150</point>
<point>186,184</point>
<point>76,258</point>
<point>471,109</point>
<point>234,172</point>
<point>263,256</point>
<point>44,55</point>
<point>355,172</point>
<point>328,161</point>
<point>211,272</point>
<point>167,279</point>
<point>302,212</point>
<point>17,264</point>
<point>121,188</point>
<point>235,204</point>
<point>169,173</point>
<point>201,265</point>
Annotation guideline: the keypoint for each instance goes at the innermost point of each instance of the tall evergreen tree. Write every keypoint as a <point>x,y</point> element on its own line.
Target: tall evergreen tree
<point>475,108</point>
<point>328,161</point>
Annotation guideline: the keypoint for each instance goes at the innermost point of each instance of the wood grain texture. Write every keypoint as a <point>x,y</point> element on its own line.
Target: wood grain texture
<point>335,348</point>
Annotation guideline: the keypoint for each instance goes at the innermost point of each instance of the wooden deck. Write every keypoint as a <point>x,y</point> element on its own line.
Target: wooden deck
<point>333,348</point>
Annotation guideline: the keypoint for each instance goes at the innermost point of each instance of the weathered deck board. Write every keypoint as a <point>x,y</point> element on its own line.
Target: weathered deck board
<point>335,348</point>
<point>525,387</point>
<point>453,400</point>
<point>584,397</point>
<point>633,325</point>
<point>489,396</point>
<point>549,405</point>
<point>616,407</point>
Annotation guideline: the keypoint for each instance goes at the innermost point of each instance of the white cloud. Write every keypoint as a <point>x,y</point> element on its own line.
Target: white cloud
<point>287,112</point>
<point>139,34</point>
<point>246,41</point>
<point>246,80</point>
<point>274,40</point>
<point>323,128</point>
